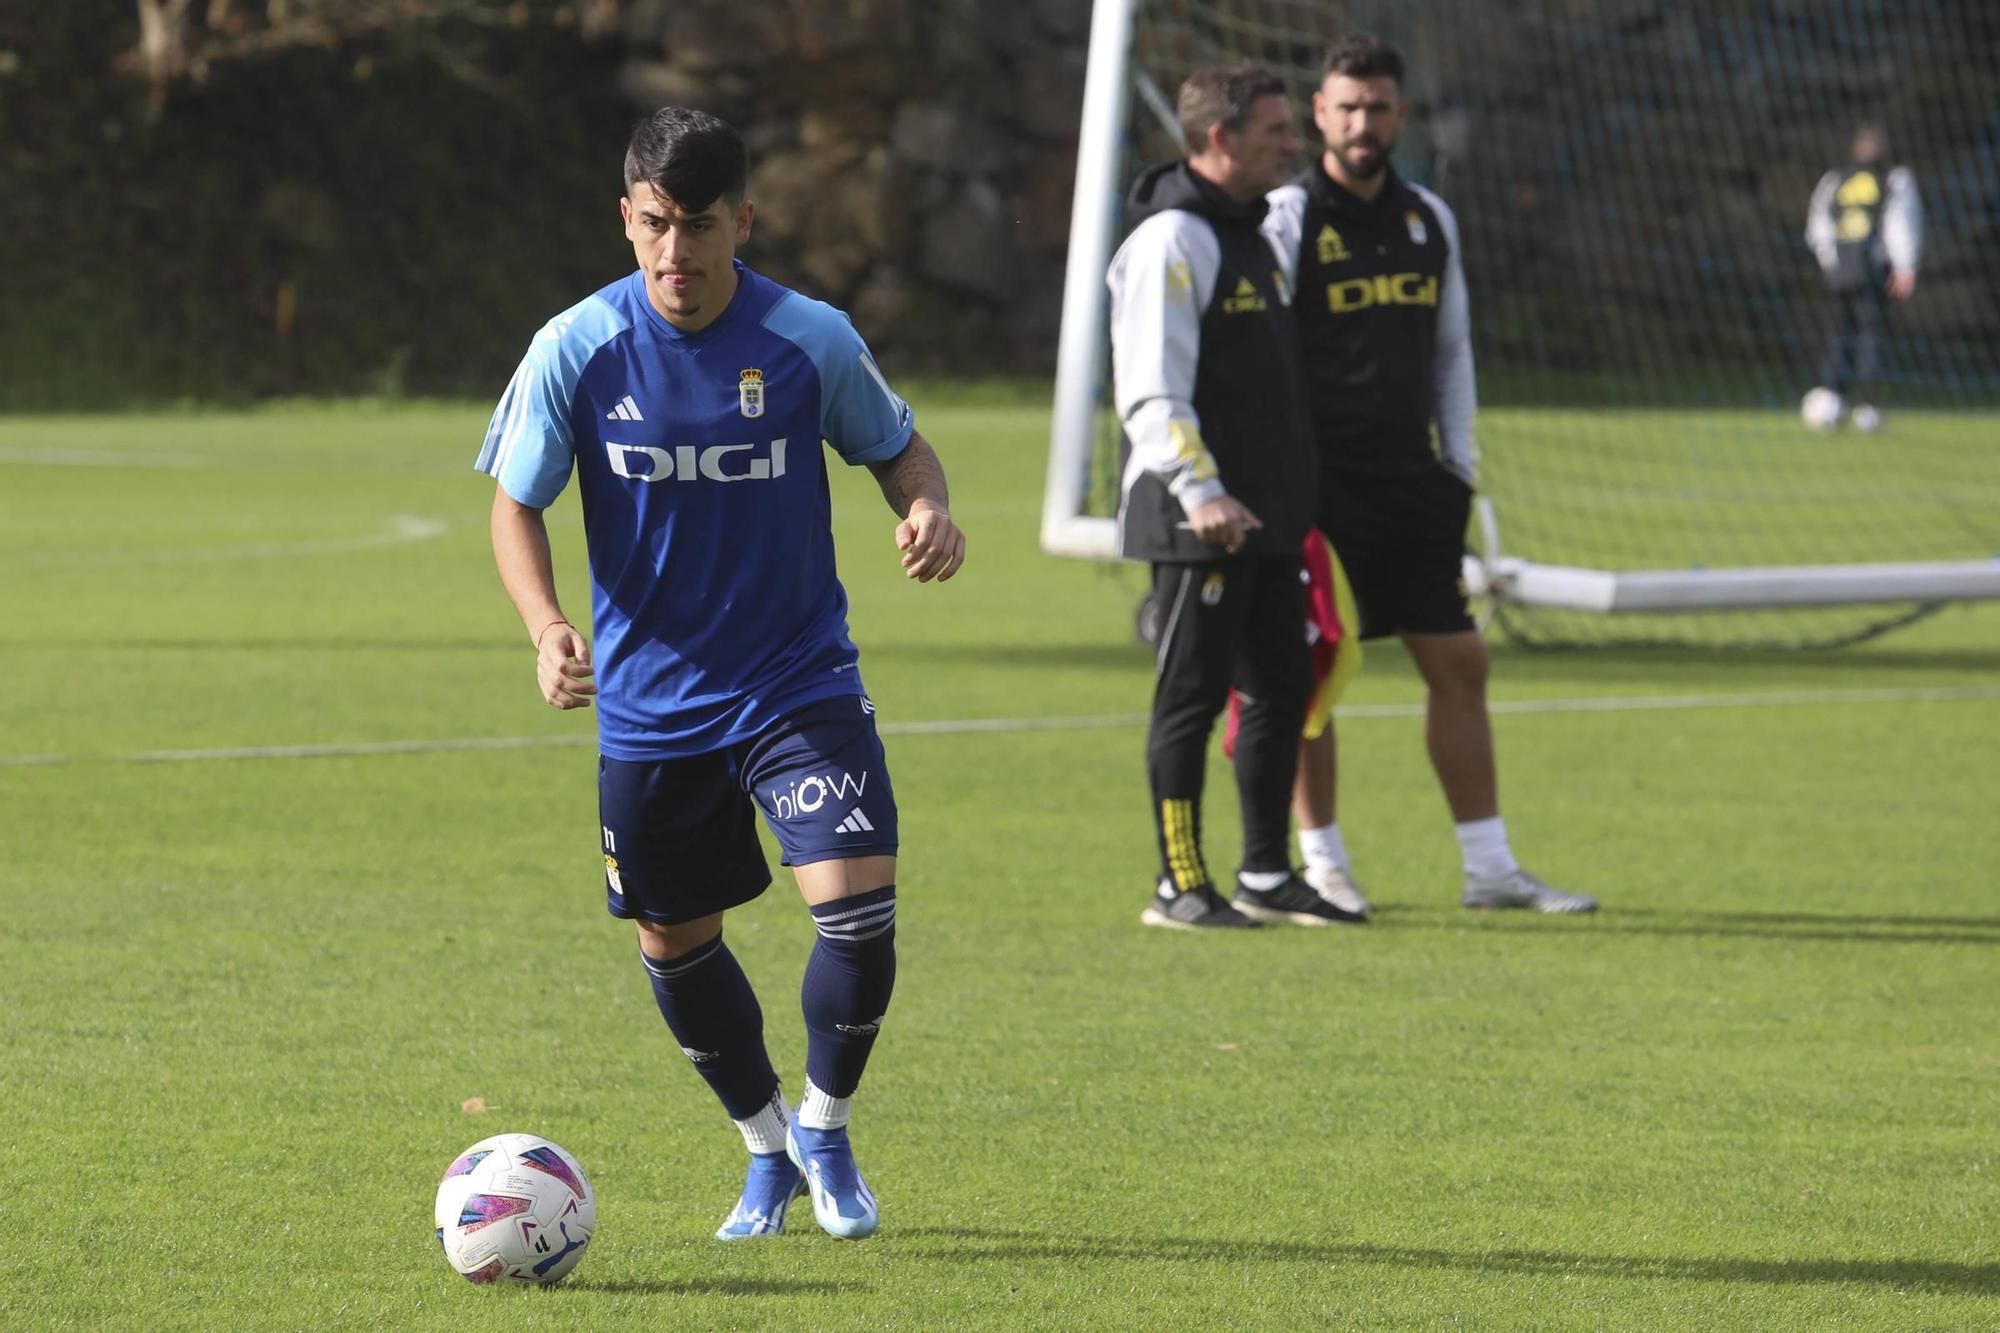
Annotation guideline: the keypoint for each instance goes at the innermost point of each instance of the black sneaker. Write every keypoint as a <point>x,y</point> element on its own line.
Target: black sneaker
<point>1199,908</point>
<point>1295,901</point>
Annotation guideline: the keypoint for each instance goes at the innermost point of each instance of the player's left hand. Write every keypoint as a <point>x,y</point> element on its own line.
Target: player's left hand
<point>1901,283</point>
<point>932,545</point>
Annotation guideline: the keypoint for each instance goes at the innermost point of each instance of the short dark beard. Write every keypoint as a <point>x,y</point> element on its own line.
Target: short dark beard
<point>1369,172</point>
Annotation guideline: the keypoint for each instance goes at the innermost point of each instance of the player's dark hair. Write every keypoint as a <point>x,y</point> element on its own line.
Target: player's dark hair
<point>1221,95</point>
<point>1876,132</point>
<point>1363,55</point>
<point>690,156</point>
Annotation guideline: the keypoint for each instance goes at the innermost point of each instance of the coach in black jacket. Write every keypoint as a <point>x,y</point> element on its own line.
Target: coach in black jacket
<point>1218,490</point>
<point>1382,324</point>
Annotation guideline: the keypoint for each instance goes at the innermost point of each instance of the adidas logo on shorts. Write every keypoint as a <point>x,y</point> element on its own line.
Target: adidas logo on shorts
<point>856,822</point>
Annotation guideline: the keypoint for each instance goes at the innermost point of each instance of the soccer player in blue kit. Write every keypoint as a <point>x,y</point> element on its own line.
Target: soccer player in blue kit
<point>690,398</point>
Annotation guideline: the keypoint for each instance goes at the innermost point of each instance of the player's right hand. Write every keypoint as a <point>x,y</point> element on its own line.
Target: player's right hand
<point>562,667</point>
<point>1223,521</point>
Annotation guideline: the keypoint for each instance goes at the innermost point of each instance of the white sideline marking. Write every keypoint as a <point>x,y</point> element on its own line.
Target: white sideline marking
<point>1753,699</point>
<point>118,458</point>
<point>966,726</point>
<point>402,528</point>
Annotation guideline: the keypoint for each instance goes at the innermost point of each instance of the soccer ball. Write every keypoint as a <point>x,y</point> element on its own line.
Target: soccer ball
<point>1821,408</point>
<point>515,1206</point>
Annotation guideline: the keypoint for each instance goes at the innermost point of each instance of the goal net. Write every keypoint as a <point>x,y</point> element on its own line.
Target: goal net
<point>1631,181</point>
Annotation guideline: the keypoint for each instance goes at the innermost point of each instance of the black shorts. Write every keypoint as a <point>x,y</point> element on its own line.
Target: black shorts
<point>1401,542</point>
<point>680,835</point>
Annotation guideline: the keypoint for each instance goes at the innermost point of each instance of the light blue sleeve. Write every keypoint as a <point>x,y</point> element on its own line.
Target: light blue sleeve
<point>529,446</point>
<point>859,414</point>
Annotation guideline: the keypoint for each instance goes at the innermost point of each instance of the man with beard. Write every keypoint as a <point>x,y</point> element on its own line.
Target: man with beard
<point>1387,356</point>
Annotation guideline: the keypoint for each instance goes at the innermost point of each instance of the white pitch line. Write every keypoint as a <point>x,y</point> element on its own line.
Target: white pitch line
<point>401,528</point>
<point>1749,699</point>
<point>123,459</point>
<point>977,724</point>
<point>969,726</point>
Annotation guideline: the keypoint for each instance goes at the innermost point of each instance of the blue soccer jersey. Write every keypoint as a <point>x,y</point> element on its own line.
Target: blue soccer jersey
<point>714,600</point>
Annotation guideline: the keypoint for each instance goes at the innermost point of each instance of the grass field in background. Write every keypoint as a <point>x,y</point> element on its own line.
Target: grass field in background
<point>246,997</point>
<point>1652,488</point>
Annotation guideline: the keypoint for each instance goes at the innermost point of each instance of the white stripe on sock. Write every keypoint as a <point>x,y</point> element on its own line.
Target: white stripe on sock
<point>854,930</point>
<point>668,968</point>
<point>873,909</point>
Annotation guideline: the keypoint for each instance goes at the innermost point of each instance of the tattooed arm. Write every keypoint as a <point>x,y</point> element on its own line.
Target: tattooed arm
<point>913,484</point>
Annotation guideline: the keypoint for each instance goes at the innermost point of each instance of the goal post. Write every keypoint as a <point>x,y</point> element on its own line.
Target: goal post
<point>1646,314</point>
<point>1068,526</point>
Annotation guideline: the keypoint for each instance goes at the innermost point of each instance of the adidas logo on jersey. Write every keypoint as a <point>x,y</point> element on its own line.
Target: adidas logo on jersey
<point>1245,300</point>
<point>856,822</point>
<point>627,410</point>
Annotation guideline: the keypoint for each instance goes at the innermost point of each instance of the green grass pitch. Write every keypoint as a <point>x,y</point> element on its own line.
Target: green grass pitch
<point>246,997</point>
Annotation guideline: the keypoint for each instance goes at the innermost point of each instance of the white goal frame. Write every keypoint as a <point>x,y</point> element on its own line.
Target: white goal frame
<point>1504,578</point>
<point>1067,528</point>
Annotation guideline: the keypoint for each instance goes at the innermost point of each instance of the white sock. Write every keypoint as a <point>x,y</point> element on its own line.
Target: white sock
<point>1323,847</point>
<point>1483,843</point>
<point>819,1111</point>
<point>765,1131</point>
<point>1262,879</point>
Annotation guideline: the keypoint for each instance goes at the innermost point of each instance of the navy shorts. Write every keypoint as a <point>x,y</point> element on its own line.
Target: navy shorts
<point>680,835</point>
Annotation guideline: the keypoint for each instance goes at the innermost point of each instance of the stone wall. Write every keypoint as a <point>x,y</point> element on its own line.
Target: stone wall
<point>912,160</point>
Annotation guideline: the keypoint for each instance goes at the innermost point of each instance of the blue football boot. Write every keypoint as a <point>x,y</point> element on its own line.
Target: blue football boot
<point>841,1199</point>
<point>768,1190</point>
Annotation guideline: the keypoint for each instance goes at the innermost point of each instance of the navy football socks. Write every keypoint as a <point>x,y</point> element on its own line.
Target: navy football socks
<point>848,980</point>
<point>713,1014</point>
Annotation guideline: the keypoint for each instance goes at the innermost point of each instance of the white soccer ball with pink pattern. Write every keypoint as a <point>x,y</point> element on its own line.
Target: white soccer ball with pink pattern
<point>515,1208</point>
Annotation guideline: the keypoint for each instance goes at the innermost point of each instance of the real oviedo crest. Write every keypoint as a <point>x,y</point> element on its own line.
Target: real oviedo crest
<point>750,393</point>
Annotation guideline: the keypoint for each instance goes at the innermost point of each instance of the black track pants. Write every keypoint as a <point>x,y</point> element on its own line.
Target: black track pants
<point>1234,622</point>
